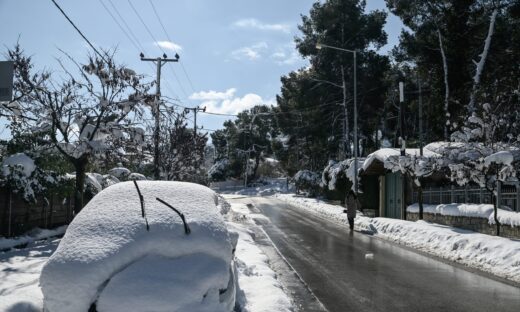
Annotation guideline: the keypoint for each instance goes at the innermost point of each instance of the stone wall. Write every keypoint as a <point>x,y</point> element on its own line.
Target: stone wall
<point>480,225</point>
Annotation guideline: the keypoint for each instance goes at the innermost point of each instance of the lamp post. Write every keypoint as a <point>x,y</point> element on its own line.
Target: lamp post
<point>320,46</point>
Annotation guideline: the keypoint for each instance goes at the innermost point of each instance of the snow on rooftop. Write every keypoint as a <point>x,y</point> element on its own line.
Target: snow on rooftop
<point>109,234</point>
<point>19,160</point>
<point>383,154</point>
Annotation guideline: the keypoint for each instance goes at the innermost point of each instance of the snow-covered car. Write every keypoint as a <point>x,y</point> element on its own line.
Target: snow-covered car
<point>160,246</point>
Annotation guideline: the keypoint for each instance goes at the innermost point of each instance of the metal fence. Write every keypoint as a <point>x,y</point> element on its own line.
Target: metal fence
<point>508,195</point>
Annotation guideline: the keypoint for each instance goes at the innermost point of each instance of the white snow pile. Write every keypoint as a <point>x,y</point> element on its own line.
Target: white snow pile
<point>24,162</point>
<point>505,218</point>
<point>484,211</point>
<point>463,210</point>
<point>316,206</point>
<point>119,172</point>
<point>108,255</point>
<point>496,255</point>
<point>260,290</point>
<point>32,236</point>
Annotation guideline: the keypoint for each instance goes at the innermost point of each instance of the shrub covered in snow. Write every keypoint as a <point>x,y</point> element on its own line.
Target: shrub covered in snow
<point>108,257</point>
<point>21,175</point>
<point>217,172</point>
<point>307,181</point>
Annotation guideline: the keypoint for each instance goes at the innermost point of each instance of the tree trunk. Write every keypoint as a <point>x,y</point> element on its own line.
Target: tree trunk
<point>420,199</point>
<point>480,65</point>
<point>446,86</point>
<point>257,162</point>
<point>346,126</point>
<point>80,166</point>
<point>495,209</point>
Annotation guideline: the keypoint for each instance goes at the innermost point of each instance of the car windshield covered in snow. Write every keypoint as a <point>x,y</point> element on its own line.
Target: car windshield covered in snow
<point>169,252</point>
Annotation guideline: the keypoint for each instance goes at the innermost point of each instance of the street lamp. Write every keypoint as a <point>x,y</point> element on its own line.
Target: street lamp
<point>320,46</point>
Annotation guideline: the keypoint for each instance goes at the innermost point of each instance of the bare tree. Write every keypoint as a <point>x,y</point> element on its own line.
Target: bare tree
<point>83,114</point>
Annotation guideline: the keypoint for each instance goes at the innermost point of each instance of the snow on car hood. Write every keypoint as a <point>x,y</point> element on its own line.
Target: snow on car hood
<point>109,234</point>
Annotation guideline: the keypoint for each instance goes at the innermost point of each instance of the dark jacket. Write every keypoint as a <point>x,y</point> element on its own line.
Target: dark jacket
<point>352,205</point>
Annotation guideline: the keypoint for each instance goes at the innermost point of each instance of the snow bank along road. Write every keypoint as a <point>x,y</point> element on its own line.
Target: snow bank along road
<point>357,272</point>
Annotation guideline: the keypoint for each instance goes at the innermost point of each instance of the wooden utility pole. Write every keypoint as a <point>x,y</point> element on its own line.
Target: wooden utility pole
<point>421,142</point>
<point>402,140</point>
<point>159,62</point>
<point>195,111</point>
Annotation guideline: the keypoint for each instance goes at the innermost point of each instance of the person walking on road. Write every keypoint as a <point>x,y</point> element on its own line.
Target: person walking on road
<point>353,205</point>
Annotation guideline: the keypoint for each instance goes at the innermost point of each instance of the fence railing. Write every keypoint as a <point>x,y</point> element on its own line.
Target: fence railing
<point>18,216</point>
<point>508,195</point>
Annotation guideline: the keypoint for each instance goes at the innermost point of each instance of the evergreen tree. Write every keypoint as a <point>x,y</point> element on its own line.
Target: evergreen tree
<point>317,101</point>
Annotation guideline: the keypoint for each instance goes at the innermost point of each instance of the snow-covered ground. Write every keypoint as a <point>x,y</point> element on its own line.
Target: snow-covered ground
<point>20,273</point>
<point>32,236</point>
<point>259,288</point>
<point>496,255</point>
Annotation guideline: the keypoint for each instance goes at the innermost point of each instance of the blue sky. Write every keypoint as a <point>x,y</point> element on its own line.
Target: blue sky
<point>233,53</point>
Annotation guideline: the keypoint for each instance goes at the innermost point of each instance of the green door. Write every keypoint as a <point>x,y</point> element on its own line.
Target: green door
<point>393,195</point>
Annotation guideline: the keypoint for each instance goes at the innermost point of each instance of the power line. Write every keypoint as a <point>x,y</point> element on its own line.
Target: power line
<point>169,39</point>
<point>156,41</point>
<point>79,31</point>
<point>121,27</point>
<point>132,37</point>
<point>127,27</point>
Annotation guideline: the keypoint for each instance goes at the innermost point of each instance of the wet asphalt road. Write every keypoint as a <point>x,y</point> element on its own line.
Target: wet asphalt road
<point>335,266</point>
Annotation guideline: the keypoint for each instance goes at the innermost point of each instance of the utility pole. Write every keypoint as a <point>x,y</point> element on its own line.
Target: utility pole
<point>421,143</point>
<point>159,62</point>
<point>402,140</point>
<point>356,148</point>
<point>195,111</point>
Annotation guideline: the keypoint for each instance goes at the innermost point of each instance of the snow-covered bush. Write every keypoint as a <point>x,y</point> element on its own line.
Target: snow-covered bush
<point>21,175</point>
<point>307,181</point>
<point>334,176</point>
<point>416,168</point>
<point>121,173</point>
<point>218,172</point>
<point>82,114</point>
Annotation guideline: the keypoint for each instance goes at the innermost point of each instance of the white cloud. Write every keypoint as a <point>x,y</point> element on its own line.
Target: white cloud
<point>286,55</point>
<point>227,103</point>
<point>253,52</point>
<point>213,95</point>
<point>168,45</point>
<point>256,24</point>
